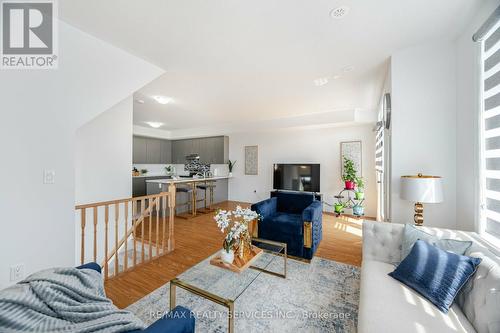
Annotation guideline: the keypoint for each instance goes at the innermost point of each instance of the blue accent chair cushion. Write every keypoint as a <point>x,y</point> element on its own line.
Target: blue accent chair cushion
<point>283,218</point>
<point>435,274</point>
<point>179,320</point>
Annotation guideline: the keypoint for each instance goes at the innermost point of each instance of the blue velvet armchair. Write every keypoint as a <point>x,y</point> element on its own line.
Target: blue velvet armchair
<point>179,320</point>
<point>292,218</point>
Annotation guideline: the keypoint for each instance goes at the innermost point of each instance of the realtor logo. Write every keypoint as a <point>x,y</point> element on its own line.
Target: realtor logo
<point>28,34</point>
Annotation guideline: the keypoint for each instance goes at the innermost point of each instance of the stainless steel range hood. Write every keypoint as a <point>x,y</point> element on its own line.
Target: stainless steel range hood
<point>192,157</point>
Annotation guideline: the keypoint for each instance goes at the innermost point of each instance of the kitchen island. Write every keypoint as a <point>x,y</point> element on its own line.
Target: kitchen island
<point>220,193</point>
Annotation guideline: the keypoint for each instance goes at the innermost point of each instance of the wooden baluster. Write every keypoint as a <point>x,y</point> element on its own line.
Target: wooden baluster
<point>125,261</point>
<point>134,213</point>
<point>95,234</point>
<point>171,206</point>
<point>157,247</point>
<point>82,245</point>
<point>164,221</point>
<point>150,222</point>
<point>117,214</point>
<point>106,262</point>
<point>142,229</point>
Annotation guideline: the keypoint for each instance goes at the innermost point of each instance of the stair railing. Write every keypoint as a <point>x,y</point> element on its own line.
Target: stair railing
<point>140,221</point>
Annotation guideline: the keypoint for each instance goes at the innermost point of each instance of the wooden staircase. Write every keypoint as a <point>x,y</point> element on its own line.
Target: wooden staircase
<point>128,232</point>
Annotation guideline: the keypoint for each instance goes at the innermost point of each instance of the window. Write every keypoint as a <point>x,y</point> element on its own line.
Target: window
<point>490,133</point>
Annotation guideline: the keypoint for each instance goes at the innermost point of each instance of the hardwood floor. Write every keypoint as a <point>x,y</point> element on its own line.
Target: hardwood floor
<point>199,237</point>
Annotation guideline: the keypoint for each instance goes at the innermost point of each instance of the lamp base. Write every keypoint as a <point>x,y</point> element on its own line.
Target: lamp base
<point>419,214</point>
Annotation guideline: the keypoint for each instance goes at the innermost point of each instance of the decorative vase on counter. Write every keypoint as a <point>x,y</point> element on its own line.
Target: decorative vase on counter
<point>227,257</point>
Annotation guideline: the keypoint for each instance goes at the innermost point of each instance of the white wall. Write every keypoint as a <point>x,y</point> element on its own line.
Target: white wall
<point>320,145</point>
<point>468,108</point>
<point>103,156</point>
<point>424,126</point>
<point>41,110</point>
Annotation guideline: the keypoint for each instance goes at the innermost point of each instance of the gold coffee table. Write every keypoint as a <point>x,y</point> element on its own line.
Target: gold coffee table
<point>223,286</point>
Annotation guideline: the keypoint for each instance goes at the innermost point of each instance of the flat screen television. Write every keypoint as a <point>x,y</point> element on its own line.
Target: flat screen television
<point>296,177</point>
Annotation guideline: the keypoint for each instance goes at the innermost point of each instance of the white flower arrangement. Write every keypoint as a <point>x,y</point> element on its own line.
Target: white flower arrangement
<point>236,222</point>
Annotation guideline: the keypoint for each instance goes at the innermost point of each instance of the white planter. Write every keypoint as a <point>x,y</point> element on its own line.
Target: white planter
<point>230,174</point>
<point>227,257</point>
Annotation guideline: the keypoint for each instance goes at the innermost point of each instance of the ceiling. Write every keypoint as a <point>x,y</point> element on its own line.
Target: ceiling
<point>234,61</point>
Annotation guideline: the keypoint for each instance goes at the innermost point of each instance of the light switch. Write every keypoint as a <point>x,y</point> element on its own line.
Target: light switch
<point>16,272</point>
<point>49,176</point>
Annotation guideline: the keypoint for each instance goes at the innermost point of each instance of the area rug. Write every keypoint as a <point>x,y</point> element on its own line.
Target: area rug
<point>321,296</point>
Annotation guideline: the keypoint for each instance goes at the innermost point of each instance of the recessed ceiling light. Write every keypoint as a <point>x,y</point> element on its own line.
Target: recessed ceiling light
<point>154,124</point>
<point>162,99</point>
<point>336,77</point>
<point>339,12</point>
<point>347,69</point>
<point>321,81</point>
<point>140,101</point>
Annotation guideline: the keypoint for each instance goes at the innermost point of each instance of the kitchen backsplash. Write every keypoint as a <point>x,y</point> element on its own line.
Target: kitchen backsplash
<point>159,169</point>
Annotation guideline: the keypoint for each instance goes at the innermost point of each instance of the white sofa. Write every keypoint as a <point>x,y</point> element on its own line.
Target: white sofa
<point>387,305</point>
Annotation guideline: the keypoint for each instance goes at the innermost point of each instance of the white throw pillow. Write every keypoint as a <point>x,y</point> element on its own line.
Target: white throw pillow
<point>411,234</point>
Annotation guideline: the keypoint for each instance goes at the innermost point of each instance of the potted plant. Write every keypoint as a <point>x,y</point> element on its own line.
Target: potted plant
<point>230,165</point>
<point>144,171</point>
<point>360,189</point>
<point>358,209</point>
<point>169,169</point>
<point>349,175</point>
<point>236,223</point>
<point>339,208</point>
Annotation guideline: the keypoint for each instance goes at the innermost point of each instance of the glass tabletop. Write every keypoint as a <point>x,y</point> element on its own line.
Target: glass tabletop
<point>226,283</point>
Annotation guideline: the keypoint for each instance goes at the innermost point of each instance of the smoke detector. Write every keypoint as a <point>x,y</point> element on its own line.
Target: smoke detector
<point>339,12</point>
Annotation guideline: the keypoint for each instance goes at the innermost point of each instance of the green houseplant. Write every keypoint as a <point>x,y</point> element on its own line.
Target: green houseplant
<point>360,188</point>
<point>230,165</point>
<point>349,175</point>
<point>169,169</point>
<point>339,207</point>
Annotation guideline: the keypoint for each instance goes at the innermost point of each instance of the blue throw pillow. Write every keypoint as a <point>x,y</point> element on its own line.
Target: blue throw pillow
<point>435,274</point>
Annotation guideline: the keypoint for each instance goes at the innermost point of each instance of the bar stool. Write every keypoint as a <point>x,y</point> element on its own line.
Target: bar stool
<point>206,186</point>
<point>189,202</point>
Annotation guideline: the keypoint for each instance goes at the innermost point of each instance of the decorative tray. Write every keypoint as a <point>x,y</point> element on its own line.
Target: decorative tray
<point>239,264</point>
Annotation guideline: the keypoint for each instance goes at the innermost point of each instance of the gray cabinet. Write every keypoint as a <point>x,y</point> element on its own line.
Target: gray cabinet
<point>212,150</point>
<point>138,187</point>
<point>153,151</point>
<point>166,152</point>
<point>178,151</point>
<point>139,150</point>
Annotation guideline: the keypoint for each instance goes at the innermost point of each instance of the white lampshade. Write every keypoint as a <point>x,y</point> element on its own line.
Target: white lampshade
<point>420,188</point>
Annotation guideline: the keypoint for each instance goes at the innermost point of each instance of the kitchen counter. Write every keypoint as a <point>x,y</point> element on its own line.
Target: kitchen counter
<point>181,180</point>
<point>151,175</point>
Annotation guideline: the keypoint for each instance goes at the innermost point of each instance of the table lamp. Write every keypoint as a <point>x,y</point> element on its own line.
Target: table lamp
<point>421,189</point>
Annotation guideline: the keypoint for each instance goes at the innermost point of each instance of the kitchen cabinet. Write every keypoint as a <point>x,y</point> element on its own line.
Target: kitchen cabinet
<point>153,151</point>
<point>139,150</point>
<point>212,150</point>
<point>139,185</point>
<point>166,152</point>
